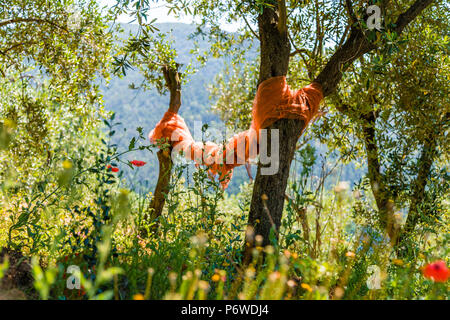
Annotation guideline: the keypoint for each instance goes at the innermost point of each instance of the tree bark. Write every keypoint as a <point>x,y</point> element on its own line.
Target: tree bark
<point>173,83</point>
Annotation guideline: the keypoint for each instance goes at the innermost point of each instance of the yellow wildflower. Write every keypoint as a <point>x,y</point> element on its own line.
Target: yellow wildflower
<point>67,164</point>
<point>138,296</point>
<point>398,262</point>
<point>306,287</point>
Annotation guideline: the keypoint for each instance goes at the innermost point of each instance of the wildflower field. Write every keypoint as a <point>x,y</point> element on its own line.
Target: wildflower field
<point>328,250</point>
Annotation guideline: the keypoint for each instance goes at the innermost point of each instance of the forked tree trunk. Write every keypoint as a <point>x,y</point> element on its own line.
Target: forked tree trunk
<point>269,190</point>
<point>173,83</point>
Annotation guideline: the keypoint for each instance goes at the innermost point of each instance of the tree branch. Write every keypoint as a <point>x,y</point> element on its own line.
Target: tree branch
<point>302,53</point>
<point>356,45</point>
<point>351,14</point>
<point>409,15</point>
<point>282,20</point>
<point>16,45</point>
<point>424,164</point>
<point>380,192</point>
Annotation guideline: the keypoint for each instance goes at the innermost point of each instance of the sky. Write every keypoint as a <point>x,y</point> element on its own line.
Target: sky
<point>160,12</point>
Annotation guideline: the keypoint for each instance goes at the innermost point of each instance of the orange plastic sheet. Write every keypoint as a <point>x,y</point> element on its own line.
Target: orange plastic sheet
<point>274,100</point>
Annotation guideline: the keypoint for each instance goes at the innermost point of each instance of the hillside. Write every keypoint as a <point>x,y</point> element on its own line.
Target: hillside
<point>139,108</point>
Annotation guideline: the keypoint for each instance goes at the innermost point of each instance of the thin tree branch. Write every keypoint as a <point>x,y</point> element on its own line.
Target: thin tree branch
<point>249,27</point>
<point>19,45</point>
<point>282,17</point>
<point>29,20</point>
<point>302,53</point>
<point>173,83</point>
<point>424,163</point>
<point>351,14</point>
<point>380,192</point>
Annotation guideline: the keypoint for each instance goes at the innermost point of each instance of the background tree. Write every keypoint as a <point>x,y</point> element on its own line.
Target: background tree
<point>51,56</point>
<point>400,115</point>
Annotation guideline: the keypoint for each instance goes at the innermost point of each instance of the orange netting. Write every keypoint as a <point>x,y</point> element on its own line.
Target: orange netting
<point>274,100</point>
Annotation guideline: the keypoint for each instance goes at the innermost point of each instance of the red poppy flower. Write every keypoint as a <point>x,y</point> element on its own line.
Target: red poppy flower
<point>113,169</point>
<point>138,163</point>
<point>436,271</point>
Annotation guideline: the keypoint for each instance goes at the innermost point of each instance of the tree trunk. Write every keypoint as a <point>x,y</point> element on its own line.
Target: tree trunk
<point>425,163</point>
<point>268,191</point>
<point>162,187</point>
<point>173,83</point>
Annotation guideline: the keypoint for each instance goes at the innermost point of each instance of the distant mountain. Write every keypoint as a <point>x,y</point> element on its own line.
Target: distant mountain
<point>139,108</point>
